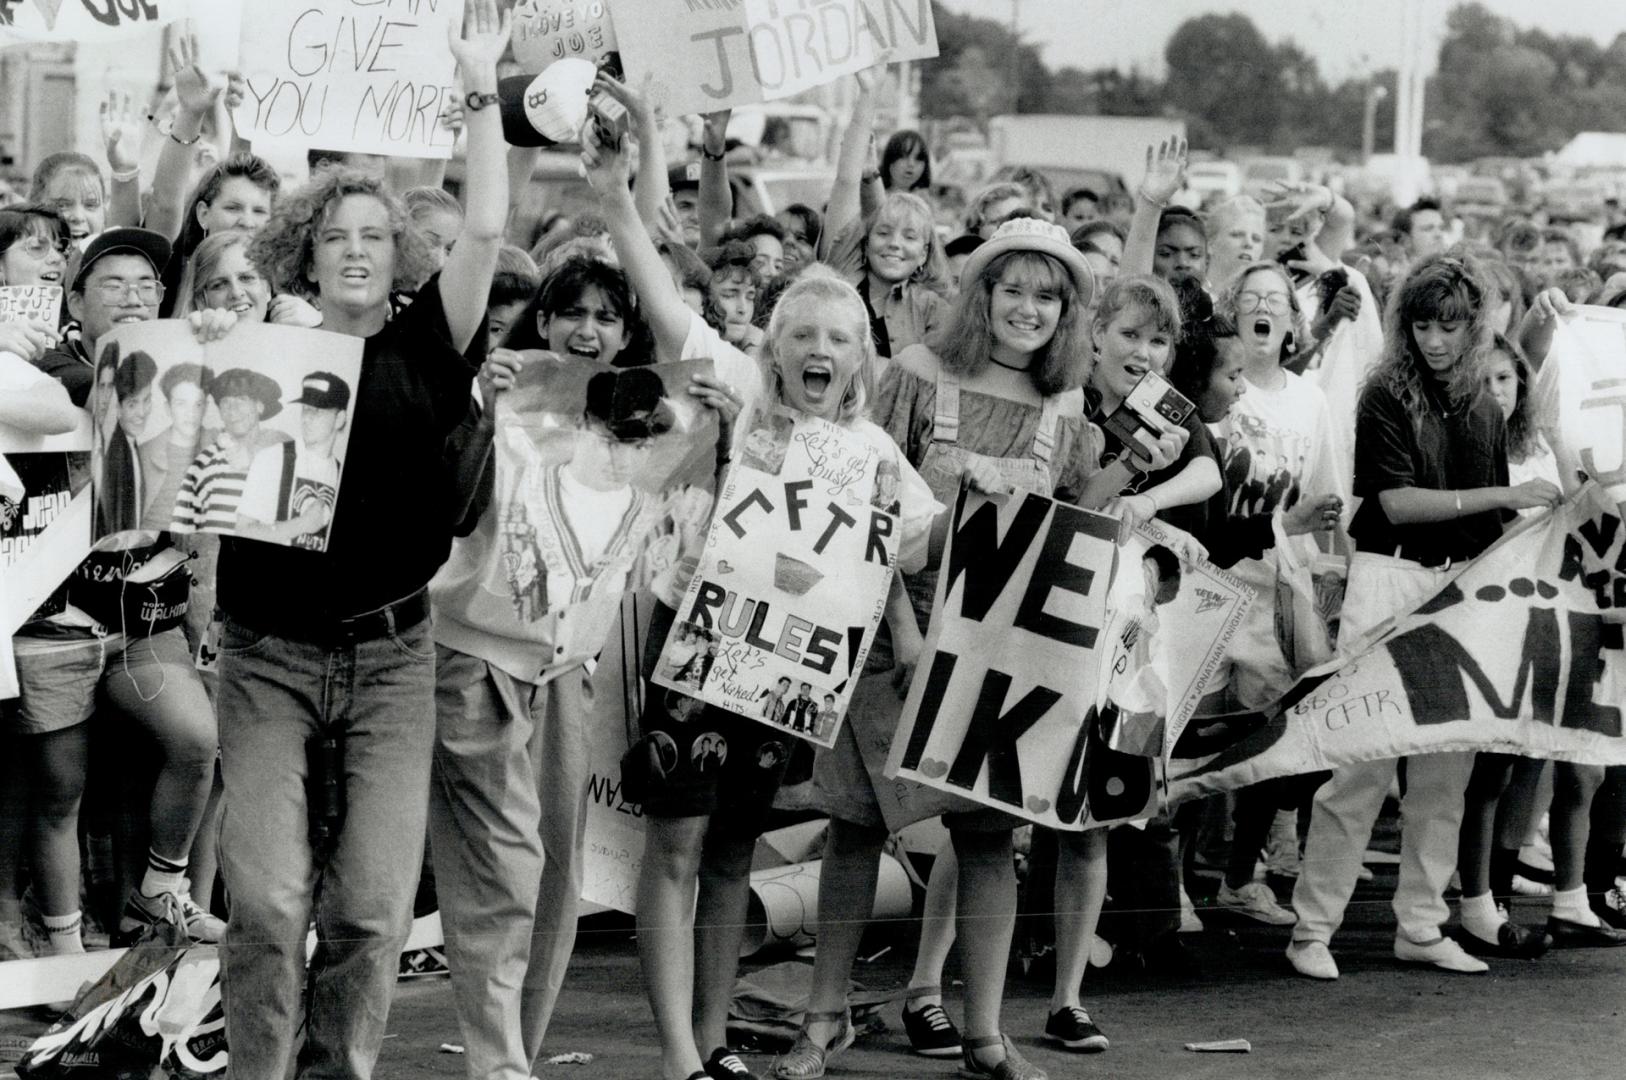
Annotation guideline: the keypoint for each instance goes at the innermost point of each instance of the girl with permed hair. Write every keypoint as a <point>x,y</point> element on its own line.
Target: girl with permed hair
<point>293,617</point>
<point>897,264</point>
<point>1431,471</point>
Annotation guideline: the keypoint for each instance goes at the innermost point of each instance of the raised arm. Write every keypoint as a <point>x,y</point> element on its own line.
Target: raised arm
<point>606,168</point>
<point>465,281</point>
<point>653,186</point>
<point>845,197</point>
<point>1165,176</point>
<point>195,96</point>
<point>716,197</point>
<point>121,135</point>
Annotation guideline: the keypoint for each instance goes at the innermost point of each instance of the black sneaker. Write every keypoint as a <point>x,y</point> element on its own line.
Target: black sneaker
<point>725,1064</point>
<point>1073,1028</point>
<point>931,1033</point>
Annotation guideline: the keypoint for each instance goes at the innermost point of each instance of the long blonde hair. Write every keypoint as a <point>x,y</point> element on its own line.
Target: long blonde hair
<point>823,286</point>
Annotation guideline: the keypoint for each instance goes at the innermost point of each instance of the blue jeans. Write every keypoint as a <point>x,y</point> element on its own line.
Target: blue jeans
<point>274,694</point>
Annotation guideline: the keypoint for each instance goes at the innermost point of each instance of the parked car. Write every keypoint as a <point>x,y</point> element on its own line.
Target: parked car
<point>558,187</point>
<point>1260,175</point>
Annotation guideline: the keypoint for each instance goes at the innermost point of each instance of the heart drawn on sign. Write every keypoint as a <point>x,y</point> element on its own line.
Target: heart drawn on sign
<point>933,768</point>
<point>723,567</point>
<point>1038,805</point>
<point>49,9</point>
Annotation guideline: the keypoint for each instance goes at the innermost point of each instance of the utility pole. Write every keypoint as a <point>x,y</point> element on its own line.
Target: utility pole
<point>1375,92</point>
<point>1013,75</point>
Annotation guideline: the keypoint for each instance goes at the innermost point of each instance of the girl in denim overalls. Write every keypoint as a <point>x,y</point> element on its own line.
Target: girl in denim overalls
<point>997,405</point>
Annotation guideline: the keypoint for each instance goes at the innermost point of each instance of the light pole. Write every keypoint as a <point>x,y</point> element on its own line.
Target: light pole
<point>1375,92</point>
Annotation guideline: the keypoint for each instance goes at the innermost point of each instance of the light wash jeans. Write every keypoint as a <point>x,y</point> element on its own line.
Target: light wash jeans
<point>274,694</point>
<point>508,811</point>
<point>1347,806</point>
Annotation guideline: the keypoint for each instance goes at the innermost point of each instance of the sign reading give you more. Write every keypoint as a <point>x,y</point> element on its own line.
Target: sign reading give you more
<point>370,76</point>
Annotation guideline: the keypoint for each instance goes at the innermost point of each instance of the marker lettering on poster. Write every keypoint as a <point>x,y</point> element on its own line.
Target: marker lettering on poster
<point>371,76</point>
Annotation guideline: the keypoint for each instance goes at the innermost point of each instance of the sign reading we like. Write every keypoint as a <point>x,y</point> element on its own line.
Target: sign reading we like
<point>1003,709</point>
<point>790,592</point>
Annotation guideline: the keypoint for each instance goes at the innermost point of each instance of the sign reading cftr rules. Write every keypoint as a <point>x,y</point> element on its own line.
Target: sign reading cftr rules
<point>369,76</point>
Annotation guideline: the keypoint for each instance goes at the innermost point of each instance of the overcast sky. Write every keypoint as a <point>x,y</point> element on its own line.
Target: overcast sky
<point>1346,37</point>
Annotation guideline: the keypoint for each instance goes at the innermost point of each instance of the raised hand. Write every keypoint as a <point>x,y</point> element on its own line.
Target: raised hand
<point>604,166</point>
<point>194,90</point>
<point>484,38</point>
<point>121,132</point>
<point>1165,171</point>
<point>1299,199</point>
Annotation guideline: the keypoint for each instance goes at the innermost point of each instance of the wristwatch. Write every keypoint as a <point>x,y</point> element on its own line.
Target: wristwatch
<point>475,101</point>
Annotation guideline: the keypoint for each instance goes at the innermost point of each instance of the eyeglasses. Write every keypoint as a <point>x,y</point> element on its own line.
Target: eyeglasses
<point>1274,303</point>
<point>37,247</point>
<point>111,292</point>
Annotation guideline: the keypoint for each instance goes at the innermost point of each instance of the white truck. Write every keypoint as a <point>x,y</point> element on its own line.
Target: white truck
<point>1074,151</point>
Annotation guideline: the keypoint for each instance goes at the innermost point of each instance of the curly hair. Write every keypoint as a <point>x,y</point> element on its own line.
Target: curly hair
<point>1445,288</point>
<point>1231,299</point>
<point>933,271</point>
<point>729,263</point>
<point>1509,286</point>
<point>966,344</point>
<point>976,213</point>
<point>822,286</point>
<point>906,144</point>
<point>285,249</point>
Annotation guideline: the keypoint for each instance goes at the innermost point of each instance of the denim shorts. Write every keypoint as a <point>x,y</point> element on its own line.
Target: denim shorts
<point>58,685</point>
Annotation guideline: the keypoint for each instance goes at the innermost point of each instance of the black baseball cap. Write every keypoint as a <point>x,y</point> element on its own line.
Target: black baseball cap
<point>517,129</point>
<point>323,390</point>
<point>126,240</point>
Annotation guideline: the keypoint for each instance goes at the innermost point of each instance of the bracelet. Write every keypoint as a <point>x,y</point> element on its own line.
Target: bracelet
<point>1141,194</point>
<point>706,153</point>
<point>1458,494</point>
<point>477,100</point>
<point>184,142</point>
<point>127,175</point>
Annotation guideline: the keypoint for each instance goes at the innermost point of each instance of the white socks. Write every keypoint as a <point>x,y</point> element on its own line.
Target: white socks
<point>1480,918</point>
<point>163,875</point>
<point>1571,905</point>
<point>63,930</point>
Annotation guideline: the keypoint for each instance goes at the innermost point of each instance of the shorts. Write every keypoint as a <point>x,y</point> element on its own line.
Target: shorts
<point>58,684</point>
<point>712,763</point>
<point>848,780</point>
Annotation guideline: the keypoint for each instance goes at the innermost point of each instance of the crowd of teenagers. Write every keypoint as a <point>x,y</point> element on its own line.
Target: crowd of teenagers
<point>987,355</point>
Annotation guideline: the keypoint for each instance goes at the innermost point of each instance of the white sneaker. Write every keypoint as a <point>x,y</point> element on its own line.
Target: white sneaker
<point>1523,886</point>
<point>1189,923</point>
<point>1312,959</point>
<point>1257,902</point>
<point>1444,954</point>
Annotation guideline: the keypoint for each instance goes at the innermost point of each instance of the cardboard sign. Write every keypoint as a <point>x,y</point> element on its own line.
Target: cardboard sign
<point>41,303</point>
<point>613,838</point>
<point>354,75</point>
<point>701,57</point>
<point>547,31</point>
<point>1579,399</point>
<point>791,590</point>
<point>796,45</point>
<point>1520,653</point>
<point>245,436</point>
<point>595,497</point>
<point>84,20</point>
<point>1003,706</point>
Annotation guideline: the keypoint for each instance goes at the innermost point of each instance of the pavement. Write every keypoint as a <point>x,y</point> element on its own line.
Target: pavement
<point>1561,1016</point>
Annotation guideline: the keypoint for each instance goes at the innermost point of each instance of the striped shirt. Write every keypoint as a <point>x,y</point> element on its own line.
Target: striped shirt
<point>209,494</point>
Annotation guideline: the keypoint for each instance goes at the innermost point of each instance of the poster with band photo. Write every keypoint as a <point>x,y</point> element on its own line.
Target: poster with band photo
<point>245,436</point>
<point>792,587</point>
<point>603,478</point>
